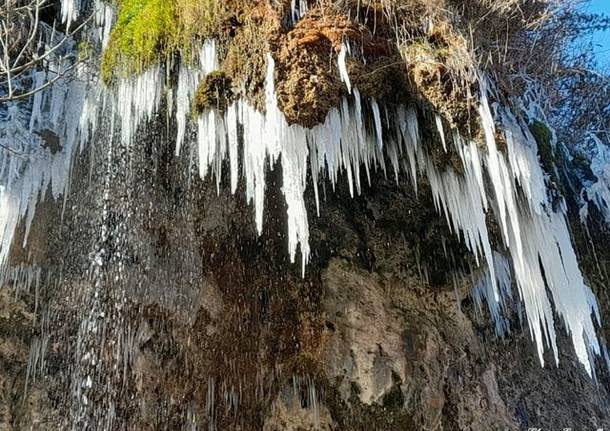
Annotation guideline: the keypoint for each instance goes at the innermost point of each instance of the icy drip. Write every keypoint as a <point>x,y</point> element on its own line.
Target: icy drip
<point>9,215</point>
<point>189,77</point>
<point>463,201</point>
<point>532,232</point>
<point>484,291</point>
<point>27,279</point>
<point>70,10</point>
<point>298,9</point>
<point>341,143</point>
<point>104,19</point>
<point>523,159</point>
<point>138,99</point>
<point>343,68</point>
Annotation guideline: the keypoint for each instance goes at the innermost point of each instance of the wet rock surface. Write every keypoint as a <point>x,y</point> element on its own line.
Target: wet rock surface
<point>220,331</point>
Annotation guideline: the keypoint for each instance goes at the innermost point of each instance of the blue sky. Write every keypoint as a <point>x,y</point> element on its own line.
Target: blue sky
<point>601,39</point>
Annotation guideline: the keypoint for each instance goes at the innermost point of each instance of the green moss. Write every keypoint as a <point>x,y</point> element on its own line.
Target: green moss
<point>144,32</point>
<point>543,137</point>
<point>214,91</point>
<point>84,49</point>
<point>394,399</point>
<point>390,415</point>
<point>199,19</point>
<point>147,31</point>
<point>541,132</point>
<point>553,162</point>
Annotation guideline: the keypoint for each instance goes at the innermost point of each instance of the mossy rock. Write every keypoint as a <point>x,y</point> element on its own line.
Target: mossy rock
<point>543,136</point>
<point>384,78</point>
<point>84,50</point>
<point>246,57</point>
<point>147,31</point>
<point>541,133</point>
<point>389,415</point>
<point>441,75</point>
<point>142,33</point>
<point>214,92</point>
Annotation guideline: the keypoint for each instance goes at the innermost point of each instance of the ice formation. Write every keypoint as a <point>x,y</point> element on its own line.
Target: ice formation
<point>37,152</point>
<point>484,291</point>
<point>104,19</point>
<point>189,77</point>
<point>508,186</point>
<point>298,8</point>
<point>138,99</point>
<point>39,137</point>
<point>343,68</point>
<point>70,10</point>
<point>343,143</point>
<point>598,191</point>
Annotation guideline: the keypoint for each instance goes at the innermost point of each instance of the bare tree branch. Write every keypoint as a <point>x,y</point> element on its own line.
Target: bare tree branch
<point>47,84</point>
<point>26,43</point>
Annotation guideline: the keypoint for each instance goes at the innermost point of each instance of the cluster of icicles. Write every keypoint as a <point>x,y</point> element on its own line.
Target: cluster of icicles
<point>357,136</point>
<point>511,187</point>
<point>28,167</point>
<point>347,142</point>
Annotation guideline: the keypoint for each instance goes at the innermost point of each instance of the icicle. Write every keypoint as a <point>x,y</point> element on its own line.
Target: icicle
<point>377,119</point>
<point>9,216</point>
<point>483,290</point>
<point>298,8</point>
<point>138,98</point>
<point>233,143</point>
<point>496,169</point>
<point>441,132</point>
<point>104,19</point>
<point>188,80</point>
<point>294,164</point>
<point>523,159</point>
<point>343,68</point>
<point>536,234</point>
<point>187,83</point>
<point>70,10</point>
<point>208,57</point>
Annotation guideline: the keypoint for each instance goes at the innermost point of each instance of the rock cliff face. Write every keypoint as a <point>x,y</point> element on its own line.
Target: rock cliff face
<point>219,330</point>
<point>149,297</point>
